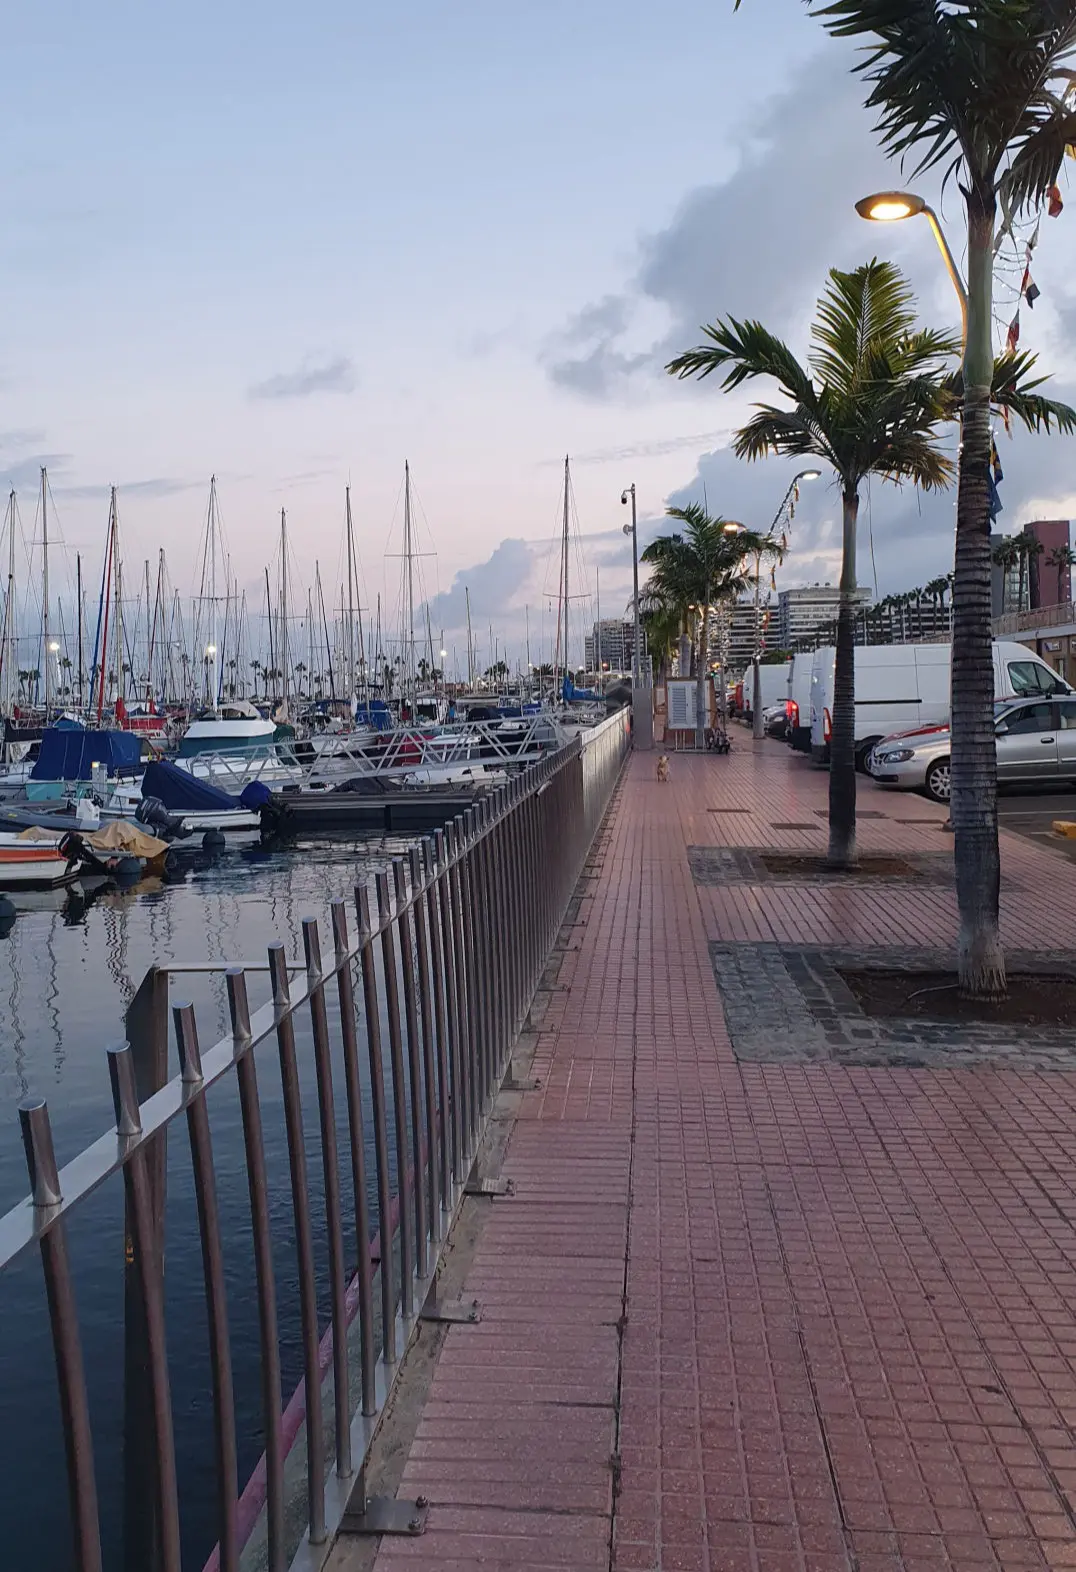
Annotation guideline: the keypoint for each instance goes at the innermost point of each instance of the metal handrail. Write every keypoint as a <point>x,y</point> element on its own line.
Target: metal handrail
<point>464,925</point>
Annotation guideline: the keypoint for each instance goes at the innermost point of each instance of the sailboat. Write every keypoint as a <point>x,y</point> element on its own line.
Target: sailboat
<point>229,729</point>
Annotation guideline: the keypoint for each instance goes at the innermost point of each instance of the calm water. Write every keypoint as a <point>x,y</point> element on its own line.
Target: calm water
<point>69,967</point>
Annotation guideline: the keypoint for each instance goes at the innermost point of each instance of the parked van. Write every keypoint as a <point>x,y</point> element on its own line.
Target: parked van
<point>798,702</point>
<point>901,686</point>
<point>772,682</point>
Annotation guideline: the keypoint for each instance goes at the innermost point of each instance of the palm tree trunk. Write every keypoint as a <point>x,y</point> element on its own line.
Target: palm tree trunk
<point>973,809</point>
<point>842,747</point>
<point>702,709</point>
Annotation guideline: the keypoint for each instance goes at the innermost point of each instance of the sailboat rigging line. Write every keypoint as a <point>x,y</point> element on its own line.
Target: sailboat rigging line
<point>325,631</point>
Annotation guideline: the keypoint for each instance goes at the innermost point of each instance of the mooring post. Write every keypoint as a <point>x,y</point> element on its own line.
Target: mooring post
<point>146,1025</point>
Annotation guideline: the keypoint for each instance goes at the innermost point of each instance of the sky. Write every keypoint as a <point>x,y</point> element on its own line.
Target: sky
<point>296,246</point>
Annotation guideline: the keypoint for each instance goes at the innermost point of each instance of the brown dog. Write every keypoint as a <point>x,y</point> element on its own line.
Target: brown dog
<point>663,767</point>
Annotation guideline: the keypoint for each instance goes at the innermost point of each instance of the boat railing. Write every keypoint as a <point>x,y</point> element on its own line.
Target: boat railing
<point>395,1028</point>
<point>494,744</point>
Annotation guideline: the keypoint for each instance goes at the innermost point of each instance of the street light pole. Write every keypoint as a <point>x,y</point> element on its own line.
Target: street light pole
<point>889,207</point>
<point>756,683</point>
<point>630,529</point>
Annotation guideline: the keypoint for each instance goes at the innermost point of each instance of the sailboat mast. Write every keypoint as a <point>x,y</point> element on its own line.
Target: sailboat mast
<point>284,605</point>
<point>351,683</point>
<point>564,549</point>
<point>45,577</point>
<point>10,650</point>
<point>409,554</point>
<point>78,595</point>
<point>272,657</point>
<point>211,665</point>
<point>470,654</point>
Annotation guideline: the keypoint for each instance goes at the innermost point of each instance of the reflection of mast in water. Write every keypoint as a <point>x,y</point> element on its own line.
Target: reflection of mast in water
<point>18,1035</point>
<point>115,918</point>
<point>52,994</point>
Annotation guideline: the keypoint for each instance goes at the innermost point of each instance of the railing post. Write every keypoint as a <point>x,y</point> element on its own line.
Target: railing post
<point>146,1024</point>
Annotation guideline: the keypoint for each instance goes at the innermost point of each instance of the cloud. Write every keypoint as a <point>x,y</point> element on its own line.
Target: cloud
<point>755,244</point>
<point>155,486</point>
<point>493,585</point>
<point>24,474</point>
<point>332,376</point>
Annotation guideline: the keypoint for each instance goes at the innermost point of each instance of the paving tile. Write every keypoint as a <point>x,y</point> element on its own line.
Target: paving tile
<point>848,1287</point>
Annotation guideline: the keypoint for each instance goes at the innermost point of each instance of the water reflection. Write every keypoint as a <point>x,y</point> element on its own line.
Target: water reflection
<point>74,959</point>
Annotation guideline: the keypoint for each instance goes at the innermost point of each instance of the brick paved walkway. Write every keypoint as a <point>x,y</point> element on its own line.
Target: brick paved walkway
<point>834,1308</point>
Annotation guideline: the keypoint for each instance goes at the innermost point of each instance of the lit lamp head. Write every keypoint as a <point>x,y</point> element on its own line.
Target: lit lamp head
<point>887,207</point>
<point>809,474</point>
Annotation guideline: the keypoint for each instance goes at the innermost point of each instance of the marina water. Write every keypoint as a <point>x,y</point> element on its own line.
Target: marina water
<point>69,967</point>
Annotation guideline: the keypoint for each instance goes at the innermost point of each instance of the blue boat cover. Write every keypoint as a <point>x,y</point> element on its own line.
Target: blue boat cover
<point>68,754</point>
<point>182,792</point>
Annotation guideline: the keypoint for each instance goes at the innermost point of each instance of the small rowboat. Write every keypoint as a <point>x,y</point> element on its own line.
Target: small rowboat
<point>27,864</point>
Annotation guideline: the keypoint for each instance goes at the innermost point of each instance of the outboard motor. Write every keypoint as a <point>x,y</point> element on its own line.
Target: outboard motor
<point>152,812</point>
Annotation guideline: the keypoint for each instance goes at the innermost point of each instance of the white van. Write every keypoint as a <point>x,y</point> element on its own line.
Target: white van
<point>772,684</point>
<point>901,686</point>
<point>798,702</point>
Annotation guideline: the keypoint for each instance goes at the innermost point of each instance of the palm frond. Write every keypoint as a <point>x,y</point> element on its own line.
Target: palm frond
<point>748,350</point>
<point>1013,387</point>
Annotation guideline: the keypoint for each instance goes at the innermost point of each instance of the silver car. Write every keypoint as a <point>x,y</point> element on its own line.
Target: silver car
<point>1036,741</point>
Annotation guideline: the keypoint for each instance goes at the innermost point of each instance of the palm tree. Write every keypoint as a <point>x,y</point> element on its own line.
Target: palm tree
<point>1030,551</point>
<point>1062,558</point>
<point>982,90</point>
<point>1006,555</point>
<point>693,572</point>
<point>869,402</point>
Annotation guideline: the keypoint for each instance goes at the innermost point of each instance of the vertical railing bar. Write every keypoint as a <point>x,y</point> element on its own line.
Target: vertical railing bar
<point>478,907</point>
<point>399,1099</point>
<point>465,997</point>
<point>466,919</point>
<point>454,976</point>
<point>330,1167</point>
<point>151,1289</point>
<point>304,1245</point>
<point>66,1341</point>
<point>357,1142</point>
<point>420,875</point>
<point>381,1127</point>
<point>493,950</point>
<point>414,1059</point>
<point>443,1007</point>
<point>257,1185</point>
<point>484,871</point>
<point>220,1356</point>
<point>513,874</point>
<point>500,863</point>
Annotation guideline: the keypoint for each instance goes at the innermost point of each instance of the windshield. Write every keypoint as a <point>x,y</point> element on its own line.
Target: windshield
<point>1032,677</point>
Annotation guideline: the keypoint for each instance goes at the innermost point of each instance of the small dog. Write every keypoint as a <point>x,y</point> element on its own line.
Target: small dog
<point>663,767</point>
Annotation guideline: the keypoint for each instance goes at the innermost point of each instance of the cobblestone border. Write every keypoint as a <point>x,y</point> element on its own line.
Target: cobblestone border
<point>723,865</point>
<point>789,1005</point>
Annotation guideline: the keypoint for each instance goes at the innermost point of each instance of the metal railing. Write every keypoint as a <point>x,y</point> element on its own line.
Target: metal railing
<point>431,992</point>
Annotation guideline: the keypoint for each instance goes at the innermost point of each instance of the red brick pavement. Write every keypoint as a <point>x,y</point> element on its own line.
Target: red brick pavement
<point>849,1338</point>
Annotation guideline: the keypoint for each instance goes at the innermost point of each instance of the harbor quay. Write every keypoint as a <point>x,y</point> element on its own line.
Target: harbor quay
<point>605,1228</point>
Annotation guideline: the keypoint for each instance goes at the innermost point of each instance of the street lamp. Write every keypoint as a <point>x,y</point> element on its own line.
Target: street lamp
<point>889,207</point>
<point>630,529</point>
<point>733,529</point>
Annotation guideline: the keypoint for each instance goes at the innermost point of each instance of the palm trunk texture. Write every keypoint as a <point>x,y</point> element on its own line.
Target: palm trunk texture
<point>842,747</point>
<point>973,809</point>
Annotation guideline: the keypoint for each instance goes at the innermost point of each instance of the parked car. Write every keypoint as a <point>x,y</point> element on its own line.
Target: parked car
<point>1035,740</point>
<point>775,720</point>
<point>798,702</point>
<point>900,687</point>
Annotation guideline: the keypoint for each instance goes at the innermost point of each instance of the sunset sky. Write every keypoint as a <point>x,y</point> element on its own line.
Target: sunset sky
<point>295,246</point>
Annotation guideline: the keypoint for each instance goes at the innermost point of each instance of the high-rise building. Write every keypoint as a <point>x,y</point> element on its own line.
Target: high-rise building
<point>801,611</point>
<point>1031,569</point>
<point>617,639</point>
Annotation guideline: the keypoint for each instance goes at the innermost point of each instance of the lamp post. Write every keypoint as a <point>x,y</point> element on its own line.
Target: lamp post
<point>630,529</point>
<point>756,677</point>
<point>889,207</point>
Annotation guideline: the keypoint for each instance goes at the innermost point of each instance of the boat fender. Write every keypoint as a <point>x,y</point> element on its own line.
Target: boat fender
<point>212,840</point>
<point>127,868</point>
<point>7,909</point>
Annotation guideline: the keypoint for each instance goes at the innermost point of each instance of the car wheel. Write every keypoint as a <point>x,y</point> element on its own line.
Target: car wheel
<point>863,753</point>
<point>937,781</point>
